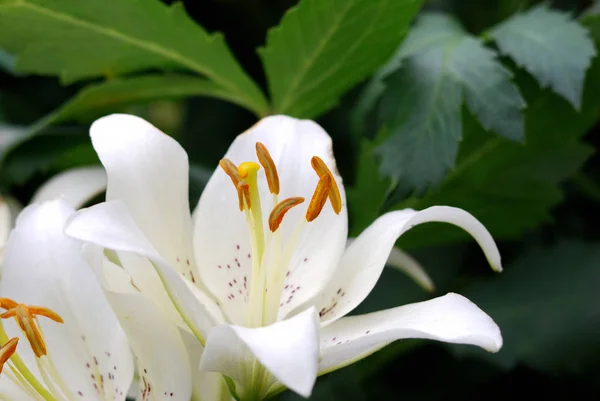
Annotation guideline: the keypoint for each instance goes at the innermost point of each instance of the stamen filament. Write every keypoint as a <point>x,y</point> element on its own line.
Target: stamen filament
<point>335,198</point>
<point>279,211</point>
<point>20,366</point>
<point>266,161</point>
<point>319,197</point>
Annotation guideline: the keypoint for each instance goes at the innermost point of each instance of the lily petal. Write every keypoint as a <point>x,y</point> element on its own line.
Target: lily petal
<point>44,267</point>
<point>76,186</point>
<point>148,171</point>
<point>162,358</point>
<point>451,318</point>
<point>221,236</point>
<point>365,258</point>
<point>109,225</point>
<point>287,349</point>
<point>405,263</point>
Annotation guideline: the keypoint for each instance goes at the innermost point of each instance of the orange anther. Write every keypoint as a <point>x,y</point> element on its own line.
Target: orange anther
<point>32,332</point>
<point>244,195</point>
<point>7,350</point>
<point>319,197</point>
<point>279,211</point>
<point>231,170</point>
<point>334,192</point>
<point>7,303</point>
<point>41,311</point>
<point>265,160</point>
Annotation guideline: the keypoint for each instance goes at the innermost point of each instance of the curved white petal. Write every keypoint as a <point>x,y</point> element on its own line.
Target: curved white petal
<point>162,358</point>
<point>148,171</point>
<point>362,263</point>
<point>451,318</point>
<point>44,267</point>
<point>287,349</point>
<point>76,186</point>
<point>110,226</point>
<point>221,239</point>
<point>405,263</point>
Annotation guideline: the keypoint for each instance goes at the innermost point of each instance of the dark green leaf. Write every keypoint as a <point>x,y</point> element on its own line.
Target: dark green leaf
<point>113,95</point>
<point>422,99</point>
<point>82,39</point>
<point>367,196</point>
<point>547,305</point>
<point>323,47</point>
<point>550,45</point>
<point>511,187</point>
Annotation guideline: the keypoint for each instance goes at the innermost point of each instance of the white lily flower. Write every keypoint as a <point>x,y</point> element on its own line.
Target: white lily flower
<point>262,276</point>
<point>70,345</point>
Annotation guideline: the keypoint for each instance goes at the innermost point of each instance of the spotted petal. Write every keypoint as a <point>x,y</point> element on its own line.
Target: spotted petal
<point>162,359</point>
<point>44,267</point>
<point>76,186</point>
<point>364,260</point>
<point>287,349</point>
<point>221,236</point>
<point>109,225</point>
<point>451,318</point>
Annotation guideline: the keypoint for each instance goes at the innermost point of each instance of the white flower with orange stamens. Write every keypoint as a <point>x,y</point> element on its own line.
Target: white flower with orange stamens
<point>60,339</point>
<point>262,276</point>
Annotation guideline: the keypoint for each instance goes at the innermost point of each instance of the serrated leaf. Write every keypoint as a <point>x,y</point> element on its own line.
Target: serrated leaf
<point>511,187</point>
<point>546,304</point>
<point>550,45</point>
<point>422,110</point>
<point>421,103</point>
<point>83,39</point>
<point>323,47</point>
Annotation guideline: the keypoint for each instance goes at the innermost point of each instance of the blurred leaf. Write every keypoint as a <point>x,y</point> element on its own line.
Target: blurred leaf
<point>422,101</point>
<point>113,95</point>
<point>46,153</point>
<point>547,305</point>
<point>508,186</point>
<point>550,45</point>
<point>7,62</point>
<point>321,48</point>
<point>367,196</point>
<point>83,39</point>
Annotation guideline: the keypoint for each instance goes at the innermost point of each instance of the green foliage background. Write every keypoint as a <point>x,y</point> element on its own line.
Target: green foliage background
<point>492,106</point>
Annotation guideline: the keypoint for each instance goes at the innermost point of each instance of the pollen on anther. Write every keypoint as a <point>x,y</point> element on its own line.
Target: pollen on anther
<point>266,161</point>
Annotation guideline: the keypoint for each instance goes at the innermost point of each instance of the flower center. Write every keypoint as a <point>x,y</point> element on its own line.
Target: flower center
<point>26,317</point>
<point>270,255</point>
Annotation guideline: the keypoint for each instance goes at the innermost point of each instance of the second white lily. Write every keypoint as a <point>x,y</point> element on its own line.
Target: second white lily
<point>262,278</point>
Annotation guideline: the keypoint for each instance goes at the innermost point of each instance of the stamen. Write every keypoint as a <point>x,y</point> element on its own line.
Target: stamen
<point>231,170</point>
<point>279,211</point>
<point>334,192</point>
<point>41,311</point>
<point>33,334</point>
<point>265,159</point>
<point>319,197</point>
<point>25,317</point>
<point>7,350</point>
<point>243,190</point>
<point>6,303</point>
